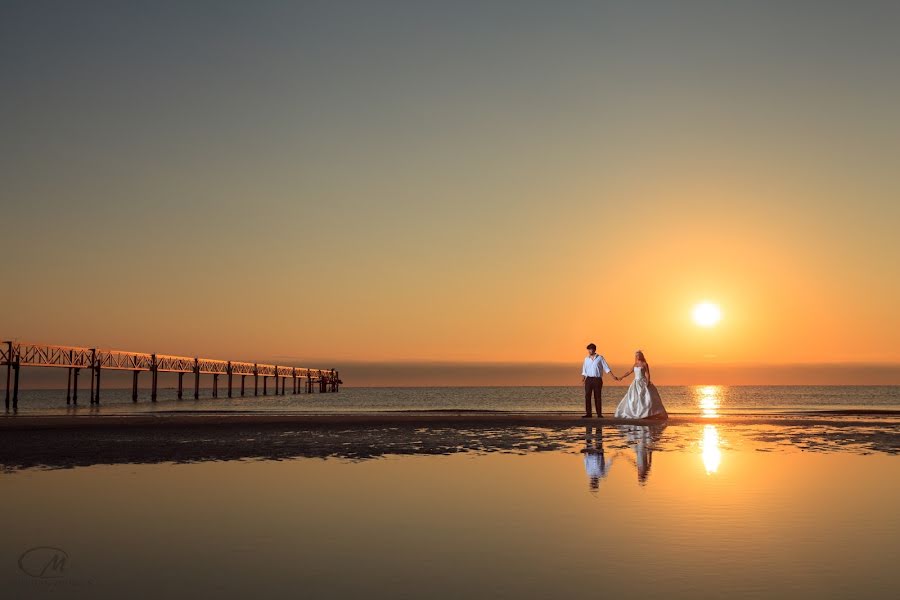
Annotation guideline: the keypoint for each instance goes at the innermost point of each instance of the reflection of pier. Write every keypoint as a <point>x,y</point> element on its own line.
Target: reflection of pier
<point>16,355</point>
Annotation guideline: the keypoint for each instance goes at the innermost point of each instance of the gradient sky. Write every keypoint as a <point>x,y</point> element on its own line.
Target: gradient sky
<point>456,181</point>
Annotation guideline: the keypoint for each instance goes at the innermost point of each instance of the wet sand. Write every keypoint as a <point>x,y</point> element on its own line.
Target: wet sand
<point>82,440</point>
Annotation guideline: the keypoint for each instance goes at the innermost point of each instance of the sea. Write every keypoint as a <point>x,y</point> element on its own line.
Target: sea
<point>705,400</point>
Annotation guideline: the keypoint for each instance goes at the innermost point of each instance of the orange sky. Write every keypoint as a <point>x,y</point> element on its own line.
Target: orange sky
<point>382,190</point>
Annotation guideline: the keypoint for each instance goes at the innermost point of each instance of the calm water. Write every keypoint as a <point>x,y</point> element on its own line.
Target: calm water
<point>684,511</point>
<point>708,400</point>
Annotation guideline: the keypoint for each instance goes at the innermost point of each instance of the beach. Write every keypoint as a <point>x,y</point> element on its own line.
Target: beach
<point>448,493</point>
<point>65,441</point>
<point>451,504</point>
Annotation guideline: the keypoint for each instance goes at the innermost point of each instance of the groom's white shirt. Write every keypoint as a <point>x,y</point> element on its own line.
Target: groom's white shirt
<point>592,366</point>
<point>594,467</point>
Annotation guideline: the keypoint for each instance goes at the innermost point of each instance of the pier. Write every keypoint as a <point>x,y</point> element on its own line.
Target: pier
<point>15,355</point>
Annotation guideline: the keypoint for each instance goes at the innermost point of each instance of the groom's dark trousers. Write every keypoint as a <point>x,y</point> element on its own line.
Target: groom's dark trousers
<point>592,385</point>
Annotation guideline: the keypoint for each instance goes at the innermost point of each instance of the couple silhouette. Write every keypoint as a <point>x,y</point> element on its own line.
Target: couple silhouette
<point>641,400</point>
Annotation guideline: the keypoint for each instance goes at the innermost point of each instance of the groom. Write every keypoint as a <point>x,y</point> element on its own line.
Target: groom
<point>592,377</point>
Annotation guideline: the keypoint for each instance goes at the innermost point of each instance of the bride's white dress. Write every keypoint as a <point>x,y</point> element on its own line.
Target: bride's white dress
<point>642,400</point>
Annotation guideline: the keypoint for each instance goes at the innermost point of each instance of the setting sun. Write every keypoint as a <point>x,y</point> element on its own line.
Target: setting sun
<point>707,314</point>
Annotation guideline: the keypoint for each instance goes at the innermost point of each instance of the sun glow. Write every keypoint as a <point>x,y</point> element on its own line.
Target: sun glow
<point>707,314</point>
<point>709,400</point>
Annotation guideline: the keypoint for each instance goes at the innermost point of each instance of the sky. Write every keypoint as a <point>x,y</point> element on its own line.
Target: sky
<point>438,183</point>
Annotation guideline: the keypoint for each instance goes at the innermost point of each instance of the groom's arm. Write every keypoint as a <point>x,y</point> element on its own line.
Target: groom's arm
<point>606,369</point>
<point>605,366</point>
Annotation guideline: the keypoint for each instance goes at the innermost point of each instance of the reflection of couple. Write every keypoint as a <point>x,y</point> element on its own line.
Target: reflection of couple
<point>595,464</point>
<point>641,439</point>
<point>642,399</point>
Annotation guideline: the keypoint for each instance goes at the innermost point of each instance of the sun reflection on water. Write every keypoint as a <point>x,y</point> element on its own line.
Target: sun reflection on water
<point>709,445</point>
<point>709,400</point>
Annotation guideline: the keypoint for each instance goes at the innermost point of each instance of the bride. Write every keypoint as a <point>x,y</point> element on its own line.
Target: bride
<point>642,400</point>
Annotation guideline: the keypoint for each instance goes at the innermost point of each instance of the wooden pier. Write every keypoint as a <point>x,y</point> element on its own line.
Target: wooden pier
<point>16,355</point>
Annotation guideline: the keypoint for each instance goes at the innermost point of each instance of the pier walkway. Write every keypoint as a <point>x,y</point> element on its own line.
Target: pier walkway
<point>15,355</point>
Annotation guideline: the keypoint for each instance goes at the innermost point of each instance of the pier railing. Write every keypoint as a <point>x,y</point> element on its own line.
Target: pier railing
<point>15,355</point>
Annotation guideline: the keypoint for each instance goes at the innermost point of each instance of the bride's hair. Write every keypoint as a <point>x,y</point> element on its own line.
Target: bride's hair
<point>641,354</point>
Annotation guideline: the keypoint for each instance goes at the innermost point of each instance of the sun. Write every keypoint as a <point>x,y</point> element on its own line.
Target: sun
<point>707,314</point>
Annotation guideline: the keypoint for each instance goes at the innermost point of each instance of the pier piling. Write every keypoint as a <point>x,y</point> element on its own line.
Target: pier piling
<point>196,379</point>
<point>97,391</point>
<point>8,357</point>
<point>154,371</point>
<point>16,368</point>
<point>91,368</point>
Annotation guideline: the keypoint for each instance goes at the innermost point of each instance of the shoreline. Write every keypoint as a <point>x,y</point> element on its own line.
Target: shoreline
<point>439,418</point>
<point>179,437</point>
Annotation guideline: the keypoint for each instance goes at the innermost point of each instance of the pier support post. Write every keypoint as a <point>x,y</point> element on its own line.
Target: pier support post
<point>255,380</point>
<point>229,378</point>
<point>215,385</point>
<point>134,382</point>
<point>196,379</point>
<point>9,355</point>
<point>69,387</point>
<point>154,373</point>
<point>308,382</point>
<point>242,385</point>
<point>75,373</point>
<point>16,367</point>
<point>293,382</point>
<point>93,357</point>
<point>97,393</point>
<point>265,385</point>
<point>283,383</point>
